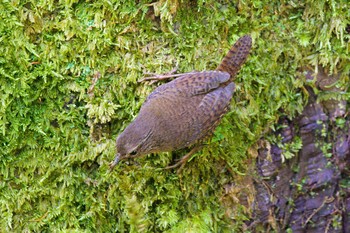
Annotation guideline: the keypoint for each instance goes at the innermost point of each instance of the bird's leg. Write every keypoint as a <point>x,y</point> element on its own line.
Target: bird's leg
<point>185,158</point>
<point>153,77</point>
<point>156,77</point>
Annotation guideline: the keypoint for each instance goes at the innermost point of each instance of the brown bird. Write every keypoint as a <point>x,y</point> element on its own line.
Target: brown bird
<point>184,112</point>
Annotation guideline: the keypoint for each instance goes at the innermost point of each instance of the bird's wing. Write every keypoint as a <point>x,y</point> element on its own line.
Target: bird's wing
<point>188,85</point>
<point>201,82</point>
<point>213,107</point>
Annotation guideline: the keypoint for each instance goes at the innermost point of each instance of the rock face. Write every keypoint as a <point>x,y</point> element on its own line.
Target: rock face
<point>311,191</point>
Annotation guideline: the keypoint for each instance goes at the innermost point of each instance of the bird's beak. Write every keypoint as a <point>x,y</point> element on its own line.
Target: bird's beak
<point>115,162</point>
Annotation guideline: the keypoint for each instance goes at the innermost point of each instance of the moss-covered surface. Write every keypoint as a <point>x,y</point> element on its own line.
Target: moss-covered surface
<point>68,87</point>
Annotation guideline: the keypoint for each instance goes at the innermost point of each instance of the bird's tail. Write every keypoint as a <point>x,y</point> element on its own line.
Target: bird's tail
<point>237,55</point>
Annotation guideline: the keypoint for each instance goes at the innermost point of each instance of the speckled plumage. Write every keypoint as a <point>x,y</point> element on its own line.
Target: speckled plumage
<point>185,111</point>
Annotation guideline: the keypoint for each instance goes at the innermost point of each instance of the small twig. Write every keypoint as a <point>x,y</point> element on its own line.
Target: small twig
<point>41,218</point>
<point>325,201</point>
<point>95,78</point>
<point>328,225</point>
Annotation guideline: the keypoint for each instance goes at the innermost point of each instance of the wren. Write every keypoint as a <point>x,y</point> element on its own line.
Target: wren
<point>184,112</point>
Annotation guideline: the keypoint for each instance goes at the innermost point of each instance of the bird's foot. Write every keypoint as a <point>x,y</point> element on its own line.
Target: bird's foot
<point>181,163</point>
<point>153,77</point>
<point>157,77</point>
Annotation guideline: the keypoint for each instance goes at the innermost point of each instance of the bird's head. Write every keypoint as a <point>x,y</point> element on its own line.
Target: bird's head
<point>133,142</point>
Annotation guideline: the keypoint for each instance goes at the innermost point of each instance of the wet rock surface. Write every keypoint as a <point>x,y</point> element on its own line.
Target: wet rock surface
<point>309,192</point>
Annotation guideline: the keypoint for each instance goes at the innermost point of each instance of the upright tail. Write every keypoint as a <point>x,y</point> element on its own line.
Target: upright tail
<point>237,55</point>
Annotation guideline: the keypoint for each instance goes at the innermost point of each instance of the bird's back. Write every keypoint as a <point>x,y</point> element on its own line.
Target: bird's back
<point>187,108</point>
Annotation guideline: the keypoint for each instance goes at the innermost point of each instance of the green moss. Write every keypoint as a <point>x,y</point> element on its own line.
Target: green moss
<point>291,149</point>
<point>68,87</point>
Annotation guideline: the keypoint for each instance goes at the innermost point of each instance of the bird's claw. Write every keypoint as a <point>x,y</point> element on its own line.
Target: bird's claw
<point>153,77</point>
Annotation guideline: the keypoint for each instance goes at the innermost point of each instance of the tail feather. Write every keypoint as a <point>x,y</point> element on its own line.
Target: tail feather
<point>237,55</point>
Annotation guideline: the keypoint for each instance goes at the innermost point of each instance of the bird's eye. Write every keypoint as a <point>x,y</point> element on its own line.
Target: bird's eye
<point>134,152</point>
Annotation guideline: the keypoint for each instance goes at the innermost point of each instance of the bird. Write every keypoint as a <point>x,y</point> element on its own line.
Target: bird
<point>184,112</point>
